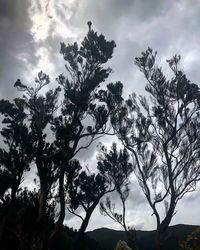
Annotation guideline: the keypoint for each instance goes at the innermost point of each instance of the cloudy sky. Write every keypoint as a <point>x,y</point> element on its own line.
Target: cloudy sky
<point>30,36</point>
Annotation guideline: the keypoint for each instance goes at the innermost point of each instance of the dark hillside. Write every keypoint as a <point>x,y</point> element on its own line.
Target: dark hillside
<point>108,238</point>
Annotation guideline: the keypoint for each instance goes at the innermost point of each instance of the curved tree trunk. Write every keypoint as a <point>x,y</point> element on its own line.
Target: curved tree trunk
<point>80,236</point>
<point>162,228</point>
<point>86,220</point>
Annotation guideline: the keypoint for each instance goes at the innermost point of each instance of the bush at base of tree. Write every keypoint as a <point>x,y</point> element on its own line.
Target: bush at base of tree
<point>192,242</point>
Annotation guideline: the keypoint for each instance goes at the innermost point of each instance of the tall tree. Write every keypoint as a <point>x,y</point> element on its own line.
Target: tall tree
<point>40,109</point>
<point>56,134</point>
<point>162,133</point>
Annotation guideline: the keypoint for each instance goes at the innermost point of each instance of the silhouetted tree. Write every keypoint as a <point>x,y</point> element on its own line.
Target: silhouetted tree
<point>162,133</point>
<point>15,156</point>
<point>41,132</point>
<point>21,223</point>
<point>87,189</point>
<point>86,109</point>
<point>84,192</point>
<point>39,110</point>
<point>118,169</point>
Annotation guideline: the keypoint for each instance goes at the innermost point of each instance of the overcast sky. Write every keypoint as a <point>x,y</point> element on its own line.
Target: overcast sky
<point>30,36</point>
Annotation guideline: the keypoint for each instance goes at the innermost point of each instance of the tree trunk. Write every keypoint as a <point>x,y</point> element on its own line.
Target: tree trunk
<point>13,194</point>
<point>59,223</point>
<point>2,225</point>
<point>86,220</point>
<point>80,236</point>
<point>162,228</point>
<point>40,236</point>
<point>159,241</point>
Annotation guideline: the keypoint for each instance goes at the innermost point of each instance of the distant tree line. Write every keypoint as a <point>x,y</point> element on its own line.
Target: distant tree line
<point>44,130</point>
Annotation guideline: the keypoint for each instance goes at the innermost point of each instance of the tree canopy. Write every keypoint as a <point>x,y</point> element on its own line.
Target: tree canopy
<point>46,128</point>
<point>161,131</point>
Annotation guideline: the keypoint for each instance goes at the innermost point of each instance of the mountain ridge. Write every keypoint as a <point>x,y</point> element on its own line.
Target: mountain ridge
<point>108,238</point>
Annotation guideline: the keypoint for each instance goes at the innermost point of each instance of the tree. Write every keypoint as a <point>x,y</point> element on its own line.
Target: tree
<point>162,133</point>
<point>192,242</point>
<point>118,169</point>
<point>21,223</point>
<point>40,109</point>
<point>83,103</point>
<point>86,190</point>
<point>15,156</point>
<point>48,135</point>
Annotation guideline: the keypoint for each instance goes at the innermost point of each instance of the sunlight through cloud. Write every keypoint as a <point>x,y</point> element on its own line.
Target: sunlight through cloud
<point>50,18</point>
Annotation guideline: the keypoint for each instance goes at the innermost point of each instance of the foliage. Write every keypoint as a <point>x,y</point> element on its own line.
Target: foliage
<point>20,220</point>
<point>117,167</point>
<point>16,155</point>
<point>192,242</point>
<point>162,134</point>
<point>83,102</point>
<point>113,172</point>
<point>45,128</point>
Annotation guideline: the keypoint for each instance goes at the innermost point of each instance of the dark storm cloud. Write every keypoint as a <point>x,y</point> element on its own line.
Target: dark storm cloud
<point>109,16</point>
<point>120,21</point>
<point>166,26</point>
<point>16,44</point>
<point>114,18</point>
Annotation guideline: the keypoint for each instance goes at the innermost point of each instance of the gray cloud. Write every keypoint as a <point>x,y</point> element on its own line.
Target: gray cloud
<point>16,43</point>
